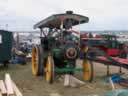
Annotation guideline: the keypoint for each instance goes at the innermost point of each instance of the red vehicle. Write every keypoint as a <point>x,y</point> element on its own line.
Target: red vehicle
<point>106,49</point>
<point>107,43</point>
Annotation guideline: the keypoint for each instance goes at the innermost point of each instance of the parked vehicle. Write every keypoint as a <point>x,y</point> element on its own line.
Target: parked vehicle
<point>6,41</point>
<point>108,44</point>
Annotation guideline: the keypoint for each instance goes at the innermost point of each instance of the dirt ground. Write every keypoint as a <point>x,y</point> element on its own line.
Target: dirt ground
<point>37,86</point>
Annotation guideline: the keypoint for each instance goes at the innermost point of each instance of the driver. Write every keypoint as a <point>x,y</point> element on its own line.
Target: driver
<point>68,34</point>
<point>68,27</point>
<point>68,24</point>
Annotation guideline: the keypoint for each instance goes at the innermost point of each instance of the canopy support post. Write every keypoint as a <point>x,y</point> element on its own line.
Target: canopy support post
<point>61,29</point>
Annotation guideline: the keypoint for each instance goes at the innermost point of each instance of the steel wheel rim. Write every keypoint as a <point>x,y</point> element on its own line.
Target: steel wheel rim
<point>87,70</point>
<point>34,61</point>
<point>48,69</point>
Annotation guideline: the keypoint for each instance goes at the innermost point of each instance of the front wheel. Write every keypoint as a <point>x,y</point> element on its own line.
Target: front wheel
<point>50,71</point>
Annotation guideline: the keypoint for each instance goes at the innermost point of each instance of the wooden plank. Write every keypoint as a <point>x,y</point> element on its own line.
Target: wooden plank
<point>1,94</point>
<point>75,80</point>
<point>55,94</point>
<point>16,90</point>
<point>8,83</point>
<point>66,80</point>
<point>3,88</point>
<point>71,81</point>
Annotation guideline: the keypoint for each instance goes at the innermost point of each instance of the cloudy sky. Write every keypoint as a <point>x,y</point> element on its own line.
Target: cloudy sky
<point>103,14</point>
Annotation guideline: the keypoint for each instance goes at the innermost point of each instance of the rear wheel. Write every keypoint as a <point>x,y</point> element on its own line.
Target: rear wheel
<point>87,70</point>
<point>50,72</point>
<point>37,61</point>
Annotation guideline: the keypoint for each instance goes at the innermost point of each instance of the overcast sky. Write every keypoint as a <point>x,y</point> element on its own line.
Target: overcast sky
<point>103,14</point>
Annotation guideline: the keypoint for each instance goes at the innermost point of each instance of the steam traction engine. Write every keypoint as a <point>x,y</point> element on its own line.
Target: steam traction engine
<point>59,48</point>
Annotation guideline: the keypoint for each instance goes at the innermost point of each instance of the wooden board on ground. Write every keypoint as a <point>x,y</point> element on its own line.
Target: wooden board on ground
<point>16,90</point>
<point>3,88</point>
<point>8,83</point>
<point>1,94</point>
<point>55,94</point>
<point>69,80</point>
<point>8,87</point>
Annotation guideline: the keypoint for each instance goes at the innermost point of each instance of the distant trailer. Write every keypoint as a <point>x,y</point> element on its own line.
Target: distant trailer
<point>6,41</point>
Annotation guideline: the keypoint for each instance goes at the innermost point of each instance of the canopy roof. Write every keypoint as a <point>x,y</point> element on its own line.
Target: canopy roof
<point>54,21</point>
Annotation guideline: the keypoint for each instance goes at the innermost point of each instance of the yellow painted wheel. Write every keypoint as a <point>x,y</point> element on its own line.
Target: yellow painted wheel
<point>34,61</point>
<point>50,70</point>
<point>37,61</point>
<point>87,70</point>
